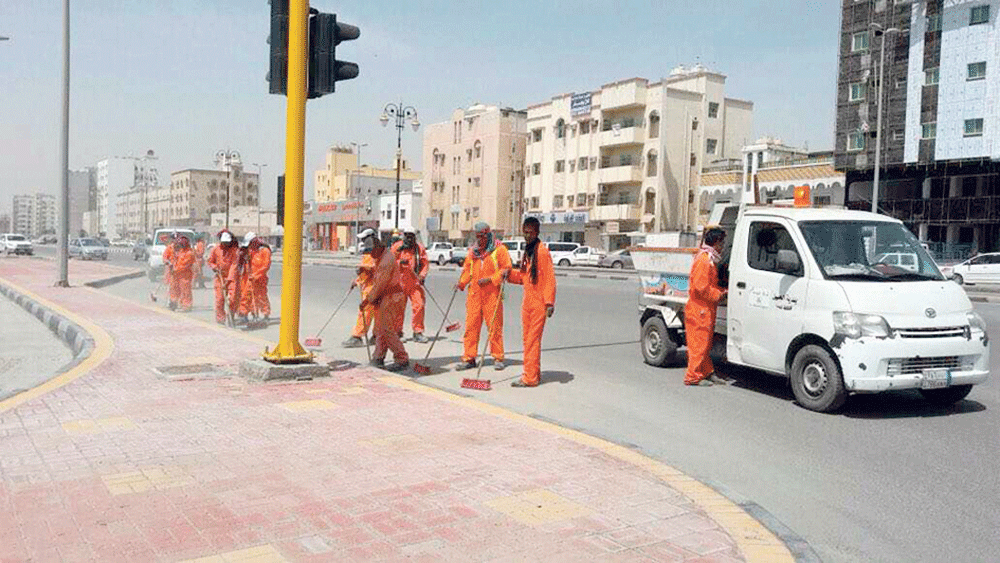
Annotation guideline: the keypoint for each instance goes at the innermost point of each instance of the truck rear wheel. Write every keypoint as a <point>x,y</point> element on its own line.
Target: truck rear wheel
<point>817,382</point>
<point>946,396</point>
<point>658,349</point>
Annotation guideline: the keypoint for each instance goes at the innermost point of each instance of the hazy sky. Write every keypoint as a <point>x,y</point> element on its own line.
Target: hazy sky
<point>186,77</point>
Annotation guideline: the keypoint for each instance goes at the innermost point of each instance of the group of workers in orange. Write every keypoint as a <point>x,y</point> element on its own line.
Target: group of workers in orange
<point>240,272</point>
<point>390,276</point>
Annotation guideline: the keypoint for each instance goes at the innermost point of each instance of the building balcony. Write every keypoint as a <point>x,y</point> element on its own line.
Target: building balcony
<point>623,136</point>
<point>626,174</point>
<point>619,212</point>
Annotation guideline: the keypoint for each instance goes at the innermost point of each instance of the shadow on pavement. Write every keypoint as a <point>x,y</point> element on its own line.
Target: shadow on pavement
<point>904,404</point>
<point>556,377</point>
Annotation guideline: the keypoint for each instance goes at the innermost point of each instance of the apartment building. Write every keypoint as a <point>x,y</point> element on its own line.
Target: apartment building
<point>115,176</point>
<point>82,197</point>
<point>34,215</point>
<point>331,183</point>
<point>940,154</point>
<point>627,157</point>
<point>473,168</point>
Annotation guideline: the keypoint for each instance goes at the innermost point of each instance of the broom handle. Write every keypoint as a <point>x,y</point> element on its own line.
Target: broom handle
<point>443,321</point>
<point>482,358</point>
<point>431,295</point>
<point>337,310</point>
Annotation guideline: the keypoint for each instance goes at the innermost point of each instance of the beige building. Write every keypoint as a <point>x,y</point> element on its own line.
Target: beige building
<point>627,157</point>
<point>330,183</point>
<point>473,171</point>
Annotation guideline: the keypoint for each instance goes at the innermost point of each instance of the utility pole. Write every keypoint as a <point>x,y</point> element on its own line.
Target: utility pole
<point>260,182</point>
<point>879,32</point>
<point>357,195</point>
<point>228,158</point>
<point>62,251</point>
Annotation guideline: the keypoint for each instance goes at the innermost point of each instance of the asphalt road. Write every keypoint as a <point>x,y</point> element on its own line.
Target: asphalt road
<point>891,478</point>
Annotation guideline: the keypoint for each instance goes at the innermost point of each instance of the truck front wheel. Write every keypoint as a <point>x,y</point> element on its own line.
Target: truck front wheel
<point>817,382</point>
<point>946,396</point>
<point>658,349</point>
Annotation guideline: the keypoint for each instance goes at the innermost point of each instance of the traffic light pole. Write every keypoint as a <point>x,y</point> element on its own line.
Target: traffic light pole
<point>289,350</point>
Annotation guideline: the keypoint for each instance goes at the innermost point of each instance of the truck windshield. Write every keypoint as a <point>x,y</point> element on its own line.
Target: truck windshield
<point>863,250</point>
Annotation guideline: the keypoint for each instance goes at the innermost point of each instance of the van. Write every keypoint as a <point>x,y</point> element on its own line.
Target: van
<point>562,252</point>
<point>515,247</point>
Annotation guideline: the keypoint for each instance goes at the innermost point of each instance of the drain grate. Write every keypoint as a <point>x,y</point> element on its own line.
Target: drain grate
<point>187,372</point>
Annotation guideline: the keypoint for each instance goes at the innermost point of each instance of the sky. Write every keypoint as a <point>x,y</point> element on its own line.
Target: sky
<point>186,78</point>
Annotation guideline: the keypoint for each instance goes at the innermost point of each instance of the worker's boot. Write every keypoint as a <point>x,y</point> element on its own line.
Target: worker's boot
<point>397,366</point>
<point>471,364</point>
<point>353,342</point>
<point>419,338</point>
<point>172,305</point>
<point>377,362</point>
<point>498,365</point>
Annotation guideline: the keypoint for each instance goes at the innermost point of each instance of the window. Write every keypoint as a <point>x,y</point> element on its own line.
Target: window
<point>583,163</point>
<point>821,200</point>
<point>974,127</point>
<point>402,214</point>
<point>572,166</point>
<point>560,165</point>
<point>932,76</point>
<point>581,199</point>
<point>560,129</point>
<point>536,168</point>
<point>979,14</point>
<point>585,127</point>
<point>898,136</point>
<point>591,198</point>
<point>536,135</point>
<point>900,83</point>
<point>557,201</point>
<point>468,155</point>
<point>713,109</point>
<point>928,130</point>
<point>856,141</point>
<point>766,239</point>
<point>475,212</point>
<point>858,91</point>
<point>535,203</point>
<point>476,181</point>
<point>859,42</point>
<point>569,200</point>
<point>593,163</point>
<point>711,145</point>
<point>977,71</point>
<point>651,164</point>
<point>624,160</point>
<point>479,149</point>
<point>654,125</point>
<point>934,22</point>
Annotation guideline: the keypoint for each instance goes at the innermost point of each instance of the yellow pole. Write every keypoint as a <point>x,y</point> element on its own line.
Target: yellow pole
<point>288,349</point>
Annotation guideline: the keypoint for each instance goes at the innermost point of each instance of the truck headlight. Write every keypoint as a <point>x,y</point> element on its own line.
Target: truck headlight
<point>853,325</point>
<point>976,321</point>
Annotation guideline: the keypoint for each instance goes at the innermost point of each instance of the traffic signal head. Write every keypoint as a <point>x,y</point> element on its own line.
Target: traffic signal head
<point>277,76</point>
<point>325,33</point>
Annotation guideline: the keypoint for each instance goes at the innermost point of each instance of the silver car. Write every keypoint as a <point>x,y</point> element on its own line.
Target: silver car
<point>619,259</point>
<point>87,249</point>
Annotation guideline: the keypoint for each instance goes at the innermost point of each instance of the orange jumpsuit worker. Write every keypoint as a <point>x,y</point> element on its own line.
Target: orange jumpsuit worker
<point>183,274</point>
<point>168,258</point>
<point>486,266</point>
<point>199,253</point>
<point>413,268</point>
<point>224,255</point>
<point>254,298</point>
<point>387,296</point>
<point>236,281</point>
<point>364,281</point>
<point>699,313</point>
<point>539,281</point>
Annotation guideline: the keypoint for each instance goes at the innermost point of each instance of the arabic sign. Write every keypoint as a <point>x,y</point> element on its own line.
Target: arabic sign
<point>560,217</point>
<point>580,104</point>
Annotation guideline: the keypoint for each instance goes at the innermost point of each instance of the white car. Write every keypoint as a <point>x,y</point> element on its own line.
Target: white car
<point>984,268</point>
<point>903,260</point>
<point>13,243</point>
<point>440,252</point>
<point>586,256</point>
<point>160,239</point>
<point>515,247</point>
<point>562,252</point>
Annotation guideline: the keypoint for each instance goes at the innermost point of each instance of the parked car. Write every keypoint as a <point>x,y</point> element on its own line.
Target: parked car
<point>515,247</point>
<point>440,252</point>
<point>562,252</point>
<point>87,249</point>
<point>903,260</point>
<point>585,256</point>
<point>119,242</point>
<point>13,243</point>
<point>458,255</point>
<point>984,268</point>
<point>619,259</point>
<point>160,238</point>
<point>140,252</point>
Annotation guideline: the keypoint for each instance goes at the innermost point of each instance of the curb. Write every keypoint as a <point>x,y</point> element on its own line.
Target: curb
<point>98,284</point>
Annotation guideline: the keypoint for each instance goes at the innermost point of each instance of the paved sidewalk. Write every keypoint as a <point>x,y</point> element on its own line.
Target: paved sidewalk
<point>159,454</point>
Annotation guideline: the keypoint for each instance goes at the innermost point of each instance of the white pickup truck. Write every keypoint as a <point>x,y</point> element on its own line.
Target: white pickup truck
<point>809,299</point>
<point>439,253</point>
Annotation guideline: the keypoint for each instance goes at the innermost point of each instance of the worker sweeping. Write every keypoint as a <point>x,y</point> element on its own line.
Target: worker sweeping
<point>387,296</point>
<point>539,280</point>
<point>182,275</point>
<point>236,280</point>
<point>484,271</point>
<point>221,261</point>
<point>413,268</point>
<point>699,313</point>
<point>168,259</point>
<point>365,279</point>
<point>258,262</point>
<point>199,254</point>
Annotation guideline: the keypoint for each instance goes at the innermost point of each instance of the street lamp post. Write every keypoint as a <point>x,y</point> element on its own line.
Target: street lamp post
<point>879,31</point>
<point>260,176</point>
<point>357,195</point>
<point>402,115</point>
<point>62,251</point>
<point>227,158</point>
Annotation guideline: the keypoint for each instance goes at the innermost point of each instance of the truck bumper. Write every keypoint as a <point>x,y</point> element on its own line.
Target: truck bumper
<point>871,365</point>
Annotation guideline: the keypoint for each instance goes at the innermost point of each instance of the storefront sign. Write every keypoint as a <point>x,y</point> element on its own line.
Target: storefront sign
<point>580,104</point>
<point>612,227</point>
<point>560,217</point>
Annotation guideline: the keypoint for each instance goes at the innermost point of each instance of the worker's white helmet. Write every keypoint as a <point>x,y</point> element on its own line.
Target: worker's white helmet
<point>226,237</point>
<point>249,237</point>
<point>366,233</point>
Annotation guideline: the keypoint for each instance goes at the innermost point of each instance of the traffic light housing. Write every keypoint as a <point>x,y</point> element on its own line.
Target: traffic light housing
<point>324,70</point>
<point>281,200</point>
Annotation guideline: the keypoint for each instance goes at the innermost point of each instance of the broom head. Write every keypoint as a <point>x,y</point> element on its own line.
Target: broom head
<point>315,342</point>
<point>453,327</point>
<point>477,384</point>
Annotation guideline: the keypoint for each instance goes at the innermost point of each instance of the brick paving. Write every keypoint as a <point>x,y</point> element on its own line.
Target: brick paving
<point>128,464</point>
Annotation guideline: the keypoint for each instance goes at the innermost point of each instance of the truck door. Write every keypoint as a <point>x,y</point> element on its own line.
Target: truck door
<point>766,303</point>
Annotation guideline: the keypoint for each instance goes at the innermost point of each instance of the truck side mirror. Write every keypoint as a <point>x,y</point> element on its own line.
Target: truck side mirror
<point>788,262</point>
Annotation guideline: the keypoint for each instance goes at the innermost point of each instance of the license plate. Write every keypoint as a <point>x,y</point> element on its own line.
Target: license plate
<point>935,379</point>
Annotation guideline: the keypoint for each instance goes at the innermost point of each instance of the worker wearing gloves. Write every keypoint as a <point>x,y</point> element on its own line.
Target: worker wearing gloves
<point>254,294</point>
<point>366,276</point>
<point>699,313</point>
<point>539,280</point>
<point>184,261</point>
<point>484,271</point>
<point>221,261</point>
<point>413,268</point>
<point>386,295</point>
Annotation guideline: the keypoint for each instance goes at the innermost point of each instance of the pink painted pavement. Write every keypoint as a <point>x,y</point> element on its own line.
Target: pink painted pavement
<point>124,464</point>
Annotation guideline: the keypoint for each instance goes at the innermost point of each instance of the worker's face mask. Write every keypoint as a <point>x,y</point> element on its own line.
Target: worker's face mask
<point>411,240</point>
<point>368,244</point>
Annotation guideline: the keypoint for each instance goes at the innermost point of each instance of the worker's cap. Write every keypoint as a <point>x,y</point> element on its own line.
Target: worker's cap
<point>249,237</point>
<point>409,231</point>
<point>226,237</point>
<point>366,234</point>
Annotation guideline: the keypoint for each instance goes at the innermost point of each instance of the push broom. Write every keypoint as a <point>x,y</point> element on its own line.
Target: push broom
<point>423,368</point>
<point>451,327</point>
<point>316,341</point>
<point>152,294</point>
<point>484,384</point>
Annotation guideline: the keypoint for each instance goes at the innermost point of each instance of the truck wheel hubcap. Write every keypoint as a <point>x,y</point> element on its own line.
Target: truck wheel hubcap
<point>653,343</point>
<point>814,379</point>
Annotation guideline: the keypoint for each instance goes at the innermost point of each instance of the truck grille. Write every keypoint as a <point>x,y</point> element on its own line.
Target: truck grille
<point>933,332</point>
<point>911,366</point>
